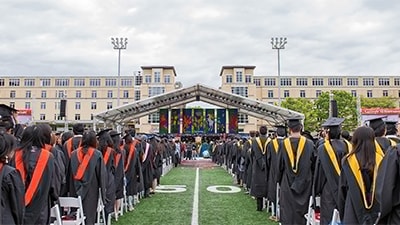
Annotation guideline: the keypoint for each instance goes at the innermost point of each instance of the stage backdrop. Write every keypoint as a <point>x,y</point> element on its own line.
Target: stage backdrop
<point>175,121</point>
<point>163,128</point>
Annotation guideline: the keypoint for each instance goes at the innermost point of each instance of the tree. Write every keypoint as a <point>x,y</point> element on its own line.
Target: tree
<point>347,108</point>
<point>382,102</point>
<point>305,106</point>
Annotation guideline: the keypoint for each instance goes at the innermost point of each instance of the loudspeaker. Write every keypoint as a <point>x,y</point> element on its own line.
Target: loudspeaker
<point>334,108</point>
<point>198,98</point>
<point>63,106</point>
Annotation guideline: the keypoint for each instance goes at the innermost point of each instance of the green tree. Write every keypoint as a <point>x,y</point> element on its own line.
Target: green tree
<point>305,106</point>
<point>382,102</point>
<point>347,108</point>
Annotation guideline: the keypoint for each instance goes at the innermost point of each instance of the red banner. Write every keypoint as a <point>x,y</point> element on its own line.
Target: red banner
<point>379,111</point>
<point>25,112</point>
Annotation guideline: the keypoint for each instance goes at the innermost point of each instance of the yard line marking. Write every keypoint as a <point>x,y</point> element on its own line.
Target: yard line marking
<point>195,211</point>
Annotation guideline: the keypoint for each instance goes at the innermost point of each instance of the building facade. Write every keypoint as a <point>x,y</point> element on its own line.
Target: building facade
<point>91,94</point>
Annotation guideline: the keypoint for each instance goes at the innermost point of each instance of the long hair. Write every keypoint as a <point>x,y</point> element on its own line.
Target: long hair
<point>364,147</point>
<point>105,141</point>
<point>88,140</point>
<point>7,145</point>
<point>33,137</point>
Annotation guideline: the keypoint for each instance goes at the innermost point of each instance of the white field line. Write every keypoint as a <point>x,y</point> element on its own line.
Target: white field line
<point>195,212</point>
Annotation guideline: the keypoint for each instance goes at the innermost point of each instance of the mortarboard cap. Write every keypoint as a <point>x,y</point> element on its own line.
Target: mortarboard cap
<point>78,128</point>
<point>102,132</point>
<point>333,122</point>
<point>114,133</point>
<point>293,122</point>
<point>391,122</point>
<point>391,127</point>
<point>6,110</point>
<point>376,122</point>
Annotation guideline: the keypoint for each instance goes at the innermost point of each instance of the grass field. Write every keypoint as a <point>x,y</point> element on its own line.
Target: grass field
<point>214,208</point>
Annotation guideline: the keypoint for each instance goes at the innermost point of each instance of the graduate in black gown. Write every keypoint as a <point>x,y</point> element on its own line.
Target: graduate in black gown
<point>391,131</point>
<point>357,200</point>
<point>327,172</point>
<point>296,165</point>
<point>12,190</point>
<point>119,158</point>
<point>86,180</point>
<point>248,165</point>
<point>132,167</point>
<point>379,127</point>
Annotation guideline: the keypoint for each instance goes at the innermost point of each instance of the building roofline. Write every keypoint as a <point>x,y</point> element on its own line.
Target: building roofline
<point>161,67</point>
<point>237,66</point>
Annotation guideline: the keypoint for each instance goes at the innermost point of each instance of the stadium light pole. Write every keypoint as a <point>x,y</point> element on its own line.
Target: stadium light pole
<point>119,44</point>
<point>278,44</point>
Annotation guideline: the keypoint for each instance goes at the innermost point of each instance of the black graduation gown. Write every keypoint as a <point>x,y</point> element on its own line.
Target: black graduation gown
<point>295,186</point>
<point>62,163</point>
<point>147,166</point>
<point>259,182</point>
<point>110,183</point>
<point>133,169</point>
<point>119,157</point>
<point>326,179</point>
<point>248,164</point>
<point>384,142</point>
<point>88,188</point>
<point>272,165</point>
<point>388,187</point>
<point>12,193</point>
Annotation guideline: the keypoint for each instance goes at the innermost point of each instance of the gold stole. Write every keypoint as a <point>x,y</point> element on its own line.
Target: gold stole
<point>300,148</point>
<point>332,156</point>
<point>378,148</point>
<point>349,145</point>
<point>392,143</point>
<point>276,144</point>
<point>263,150</point>
<point>356,170</point>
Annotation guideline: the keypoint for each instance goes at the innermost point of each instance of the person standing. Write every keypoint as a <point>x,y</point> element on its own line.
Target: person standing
<point>119,157</point>
<point>379,127</point>
<point>296,164</point>
<point>12,190</point>
<point>357,201</point>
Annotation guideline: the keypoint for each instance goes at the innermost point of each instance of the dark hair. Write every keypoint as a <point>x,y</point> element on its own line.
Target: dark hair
<point>281,132</point>
<point>46,132</point>
<point>32,136</point>
<point>364,147</point>
<point>334,132</point>
<point>346,135</point>
<point>263,130</point>
<point>391,129</point>
<point>105,141</point>
<point>116,142</point>
<point>78,128</point>
<point>89,140</point>
<point>7,145</point>
<point>296,128</point>
<point>380,131</point>
<point>66,136</point>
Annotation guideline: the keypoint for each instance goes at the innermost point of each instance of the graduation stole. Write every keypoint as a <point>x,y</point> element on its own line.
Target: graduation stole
<point>48,147</point>
<point>392,143</point>
<point>289,150</point>
<point>275,144</point>
<point>83,160</point>
<point>37,172</point>
<point>70,146</point>
<point>251,143</point>
<point>332,156</point>
<point>378,148</point>
<point>356,170</point>
<point>117,156</point>
<point>131,154</point>
<point>263,149</point>
<point>349,145</point>
<point>146,152</point>
<point>107,155</point>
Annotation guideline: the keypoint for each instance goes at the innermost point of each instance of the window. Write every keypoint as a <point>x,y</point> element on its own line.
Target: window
<point>257,82</point>
<point>94,94</point>
<point>354,93</point>
<point>243,118</point>
<point>269,82</point>
<point>302,93</point>
<point>397,81</point>
<point>57,117</point>
<point>29,82</point>
<point>28,94</point>
<point>335,81</point>
<point>239,76</point>
<point>302,81</point>
<point>78,94</point>
<point>286,94</point>
<point>384,82</point>
<point>92,117</point>
<point>126,82</point>
<point>248,79</point>
<point>13,83</point>
<point>318,81</point>
<point>109,94</point>
<point>94,82</point>
<point>79,82</point>
<point>139,80</point>
<point>2,82</point>
<point>385,93</point>
<point>352,81</point>
<point>286,81</point>
<point>147,79</point>
<point>109,105</point>
<point>43,94</point>
<point>77,105</point>
<point>368,81</point>
<point>12,94</point>
<point>46,82</point>
<point>228,78</point>
<point>12,105</point>
<point>64,82</point>
<point>42,105</point>
<point>137,95</point>
<point>242,91</point>
<point>270,93</point>
<point>154,118</point>
<point>318,93</point>
<point>167,79</point>
<point>57,105</point>
<point>42,117</point>
<point>27,105</point>
<point>60,94</point>
<point>93,105</point>
<point>77,116</point>
<point>111,82</point>
<point>126,94</point>
<point>369,94</point>
<point>156,91</point>
<point>157,77</point>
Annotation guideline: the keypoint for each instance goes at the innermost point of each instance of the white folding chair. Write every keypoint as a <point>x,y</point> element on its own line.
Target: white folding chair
<point>70,203</point>
<point>55,213</point>
<point>335,217</point>
<point>101,215</point>
<point>311,216</point>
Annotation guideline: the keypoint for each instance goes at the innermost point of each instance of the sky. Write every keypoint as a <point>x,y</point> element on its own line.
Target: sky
<point>71,37</point>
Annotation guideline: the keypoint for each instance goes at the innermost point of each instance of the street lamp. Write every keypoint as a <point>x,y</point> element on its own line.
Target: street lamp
<point>119,44</point>
<point>278,44</point>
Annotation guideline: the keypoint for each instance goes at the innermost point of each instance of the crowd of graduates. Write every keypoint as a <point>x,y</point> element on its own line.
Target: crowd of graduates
<point>356,175</point>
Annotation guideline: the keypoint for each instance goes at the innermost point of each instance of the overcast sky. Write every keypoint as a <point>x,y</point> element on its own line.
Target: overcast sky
<point>72,37</point>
